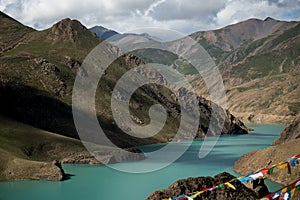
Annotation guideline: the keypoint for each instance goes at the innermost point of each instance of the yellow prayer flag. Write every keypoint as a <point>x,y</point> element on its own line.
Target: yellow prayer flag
<point>230,185</point>
<point>293,191</point>
<point>283,190</point>
<point>282,165</point>
<point>197,194</point>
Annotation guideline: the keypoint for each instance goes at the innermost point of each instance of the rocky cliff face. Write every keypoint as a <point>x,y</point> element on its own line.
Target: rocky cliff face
<point>286,146</point>
<point>290,133</point>
<point>189,185</point>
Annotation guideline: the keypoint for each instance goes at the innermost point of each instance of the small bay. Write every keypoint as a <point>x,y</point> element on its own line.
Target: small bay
<point>90,182</point>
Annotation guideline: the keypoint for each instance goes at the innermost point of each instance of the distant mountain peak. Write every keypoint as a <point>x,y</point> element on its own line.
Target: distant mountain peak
<point>101,28</point>
<point>103,32</point>
<point>269,19</point>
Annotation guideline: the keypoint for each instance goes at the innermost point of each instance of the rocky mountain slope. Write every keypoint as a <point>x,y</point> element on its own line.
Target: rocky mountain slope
<point>37,74</point>
<point>259,62</point>
<point>44,67</point>
<point>234,36</point>
<point>286,146</point>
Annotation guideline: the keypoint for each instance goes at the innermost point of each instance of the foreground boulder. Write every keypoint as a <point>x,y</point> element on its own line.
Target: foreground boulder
<point>189,185</point>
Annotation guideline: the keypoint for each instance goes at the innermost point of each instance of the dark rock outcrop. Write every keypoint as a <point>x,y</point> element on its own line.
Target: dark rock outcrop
<point>189,185</point>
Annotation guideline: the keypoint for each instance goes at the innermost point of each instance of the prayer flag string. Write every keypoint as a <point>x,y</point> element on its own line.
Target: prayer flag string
<point>289,190</point>
<point>284,193</point>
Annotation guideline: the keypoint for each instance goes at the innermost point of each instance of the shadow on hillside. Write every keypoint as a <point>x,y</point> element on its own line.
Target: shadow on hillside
<point>36,108</point>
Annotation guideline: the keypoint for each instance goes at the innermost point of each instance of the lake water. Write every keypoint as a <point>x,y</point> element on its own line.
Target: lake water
<point>101,182</point>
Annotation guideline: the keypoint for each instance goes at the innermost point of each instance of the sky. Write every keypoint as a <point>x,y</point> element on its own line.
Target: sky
<point>185,16</point>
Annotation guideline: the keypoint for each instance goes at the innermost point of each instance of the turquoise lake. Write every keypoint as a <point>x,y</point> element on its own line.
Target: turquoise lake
<point>101,182</point>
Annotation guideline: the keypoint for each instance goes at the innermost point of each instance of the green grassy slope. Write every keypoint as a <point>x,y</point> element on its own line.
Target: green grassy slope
<point>26,152</point>
<point>27,142</point>
<point>25,149</point>
<point>11,32</point>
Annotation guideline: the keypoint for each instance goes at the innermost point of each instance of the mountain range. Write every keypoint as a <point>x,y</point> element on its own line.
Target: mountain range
<point>258,59</point>
<point>259,62</point>
<point>37,73</point>
<point>111,35</point>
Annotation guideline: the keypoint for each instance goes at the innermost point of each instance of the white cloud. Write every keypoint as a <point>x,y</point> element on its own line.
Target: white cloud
<point>153,6</point>
<point>188,10</point>
<point>124,15</point>
<point>238,10</point>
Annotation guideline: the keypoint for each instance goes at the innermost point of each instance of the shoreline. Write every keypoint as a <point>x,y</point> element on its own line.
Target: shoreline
<point>192,168</point>
<point>262,118</point>
<point>90,160</point>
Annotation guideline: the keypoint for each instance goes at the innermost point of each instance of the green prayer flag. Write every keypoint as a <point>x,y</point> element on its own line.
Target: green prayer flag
<point>297,189</point>
<point>271,171</point>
